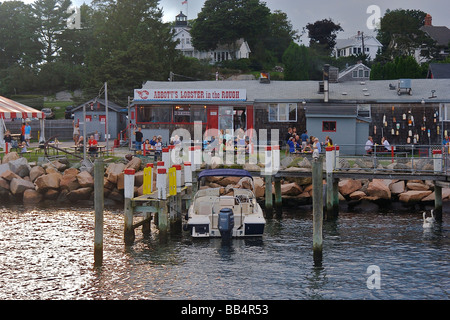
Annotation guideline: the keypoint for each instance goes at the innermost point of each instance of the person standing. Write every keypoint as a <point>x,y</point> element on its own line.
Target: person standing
<point>139,138</point>
<point>304,138</point>
<point>27,132</point>
<point>76,132</point>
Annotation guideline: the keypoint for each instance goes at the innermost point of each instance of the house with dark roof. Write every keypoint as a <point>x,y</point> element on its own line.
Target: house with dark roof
<point>348,109</point>
<point>97,119</point>
<point>441,36</point>
<point>438,71</point>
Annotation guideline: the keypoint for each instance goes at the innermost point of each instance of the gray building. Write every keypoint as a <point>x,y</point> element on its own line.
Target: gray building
<point>97,119</point>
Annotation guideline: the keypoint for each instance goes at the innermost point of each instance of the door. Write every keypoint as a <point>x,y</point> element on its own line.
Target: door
<point>226,120</point>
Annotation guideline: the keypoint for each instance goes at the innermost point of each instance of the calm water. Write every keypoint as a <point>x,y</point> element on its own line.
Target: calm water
<point>48,254</point>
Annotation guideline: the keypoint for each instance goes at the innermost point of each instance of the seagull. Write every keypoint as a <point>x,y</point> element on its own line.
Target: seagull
<point>431,219</point>
<point>426,224</point>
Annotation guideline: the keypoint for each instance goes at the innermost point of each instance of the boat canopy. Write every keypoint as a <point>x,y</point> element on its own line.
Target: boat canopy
<point>224,173</point>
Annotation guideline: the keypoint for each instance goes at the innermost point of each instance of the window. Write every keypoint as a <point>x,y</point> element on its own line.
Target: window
<point>366,73</point>
<point>154,113</point>
<point>360,73</point>
<point>283,112</point>
<point>355,74</point>
<point>328,126</point>
<point>181,114</point>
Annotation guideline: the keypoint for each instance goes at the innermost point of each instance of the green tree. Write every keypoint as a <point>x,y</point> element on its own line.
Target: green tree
<point>51,16</point>
<point>225,22</point>
<point>400,34</point>
<point>322,34</point>
<point>297,62</point>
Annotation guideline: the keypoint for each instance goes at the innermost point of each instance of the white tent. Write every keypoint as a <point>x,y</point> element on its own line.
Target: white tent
<point>10,109</point>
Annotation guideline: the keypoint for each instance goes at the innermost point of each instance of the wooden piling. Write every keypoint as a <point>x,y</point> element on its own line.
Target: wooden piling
<point>317,181</point>
<point>99,206</point>
<point>278,198</point>
<point>268,210</point>
<point>438,202</point>
<point>128,206</point>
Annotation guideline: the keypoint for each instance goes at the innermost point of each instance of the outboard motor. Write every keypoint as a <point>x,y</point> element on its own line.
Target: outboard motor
<point>226,223</point>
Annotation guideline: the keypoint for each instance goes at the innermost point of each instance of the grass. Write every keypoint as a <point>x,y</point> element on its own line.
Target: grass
<point>58,107</point>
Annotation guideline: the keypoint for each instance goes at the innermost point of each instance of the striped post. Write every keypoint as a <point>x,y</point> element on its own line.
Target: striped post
<point>187,174</point>
<point>128,210</point>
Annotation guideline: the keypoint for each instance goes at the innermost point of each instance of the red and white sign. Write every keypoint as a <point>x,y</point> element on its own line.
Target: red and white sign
<point>190,95</point>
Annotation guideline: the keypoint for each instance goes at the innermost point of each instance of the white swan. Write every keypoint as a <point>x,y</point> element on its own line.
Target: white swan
<point>431,219</point>
<point>426,224</point>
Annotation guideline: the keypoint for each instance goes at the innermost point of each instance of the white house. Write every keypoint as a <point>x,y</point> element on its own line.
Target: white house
<point>222,52</point>
<point>356,45</point>
<point>440,34</point>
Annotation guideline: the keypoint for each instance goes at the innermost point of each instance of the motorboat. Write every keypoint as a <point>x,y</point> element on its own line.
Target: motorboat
<point>225,212</point>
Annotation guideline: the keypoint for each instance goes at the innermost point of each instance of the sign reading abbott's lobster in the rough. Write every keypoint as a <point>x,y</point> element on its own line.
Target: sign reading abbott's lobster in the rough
<point>190,94</point>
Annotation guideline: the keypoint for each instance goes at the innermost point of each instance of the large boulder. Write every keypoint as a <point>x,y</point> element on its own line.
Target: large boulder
<point>417,185</point>
<point>135,163</point>
<point>259,187</point>
<point>32,197</point>
<point>349,186</point>
<point>80,194</point>
<point>48,181</point>
<point>36,172</point>
<point>20,167</point>
<point>85,179</point>
<point>113,170</point>
<point>290,189</point>
<point>378,189</point>
<point>69,182</point>
<point>9,175</point>
<point>18,186</point>
<point>11,156</point>
<point>397,187</point>
<point>413,196</point>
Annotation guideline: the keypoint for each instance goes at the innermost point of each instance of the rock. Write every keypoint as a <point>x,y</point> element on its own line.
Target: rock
<point>139,178</point>
<point>228,180</point>
<point>357,195</point>
<point>85,179</point>
<point>251,167</point>
<point>69,182</point>
<point>51,194</point>
<point>32,197</point>
<point>73,171</point>
<point>4,167</point>
<point>121,181</point>
<point>377,188</point>
<point>20,167</point>
<point>4,184</point>
<point>36,172</point>
<point>259,187</point>
<point>445,195</point>
<point>80,194</point>
<point>305,163</point>
<point>417,186</point>
<point>413,196</point>
<point>9,175</point>
<point>18,186</point>
<point>349,186</point>
<point>216,162</point>
<point>48,181</point>
<point>290,189</point>
<point>134,163</point>
<point>113,170</point>
<point>11,156</point>
<point>59,166</point>
<point>397,187</point>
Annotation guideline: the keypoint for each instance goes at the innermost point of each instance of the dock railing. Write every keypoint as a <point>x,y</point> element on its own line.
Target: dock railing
<point>395,158</point>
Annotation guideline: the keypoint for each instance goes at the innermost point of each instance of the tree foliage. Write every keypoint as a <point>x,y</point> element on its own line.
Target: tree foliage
<point>323,33</point>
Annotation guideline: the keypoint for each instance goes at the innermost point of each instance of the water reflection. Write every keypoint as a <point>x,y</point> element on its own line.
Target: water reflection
<point>48,254</point>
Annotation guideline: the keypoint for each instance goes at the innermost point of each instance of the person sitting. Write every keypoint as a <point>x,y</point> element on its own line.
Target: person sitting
<point>8,139</point>
<point>92,144</point>
<point>79,144</point>
<point>369,145</point>
<point>153,141</point>
<point>386,144</point>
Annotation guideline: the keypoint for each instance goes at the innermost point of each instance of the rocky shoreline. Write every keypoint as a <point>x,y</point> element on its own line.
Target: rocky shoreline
<point>58,182</point>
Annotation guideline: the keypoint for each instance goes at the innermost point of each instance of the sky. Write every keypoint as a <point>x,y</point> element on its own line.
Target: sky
<point>350,14</point>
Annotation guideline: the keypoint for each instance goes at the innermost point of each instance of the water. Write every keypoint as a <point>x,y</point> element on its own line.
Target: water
<point>47,253</point>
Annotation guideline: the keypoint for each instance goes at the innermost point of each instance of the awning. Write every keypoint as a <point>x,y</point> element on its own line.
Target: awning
<point>10,109</point>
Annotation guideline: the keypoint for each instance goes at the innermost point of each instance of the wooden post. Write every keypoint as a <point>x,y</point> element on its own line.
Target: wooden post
<point>317,178</point>
<point>268,196</point>
<point>128,206</point>
<point>278,198</point>
<point>438,202</point>
<point>331,202</point>
<point>99,206</point>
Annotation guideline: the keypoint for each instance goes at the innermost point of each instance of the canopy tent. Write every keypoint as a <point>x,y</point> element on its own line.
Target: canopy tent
<point>10,109</point>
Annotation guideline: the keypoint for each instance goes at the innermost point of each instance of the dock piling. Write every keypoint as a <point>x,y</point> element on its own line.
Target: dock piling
<point>128,206</point>
<point>99,206</point>
<point>317,180</point>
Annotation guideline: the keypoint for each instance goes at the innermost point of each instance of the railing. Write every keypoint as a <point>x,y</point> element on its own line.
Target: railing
<point>396,158</point>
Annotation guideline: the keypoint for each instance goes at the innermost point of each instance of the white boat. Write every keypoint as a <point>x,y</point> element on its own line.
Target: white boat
<point>236,214</point>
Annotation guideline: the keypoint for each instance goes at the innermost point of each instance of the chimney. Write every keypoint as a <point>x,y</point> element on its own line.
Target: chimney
<point>326,77</point>
<point>428,20</point>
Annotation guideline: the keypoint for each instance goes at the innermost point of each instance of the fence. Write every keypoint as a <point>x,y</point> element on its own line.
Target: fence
<point>62,128</point>
<point>396,158</point>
